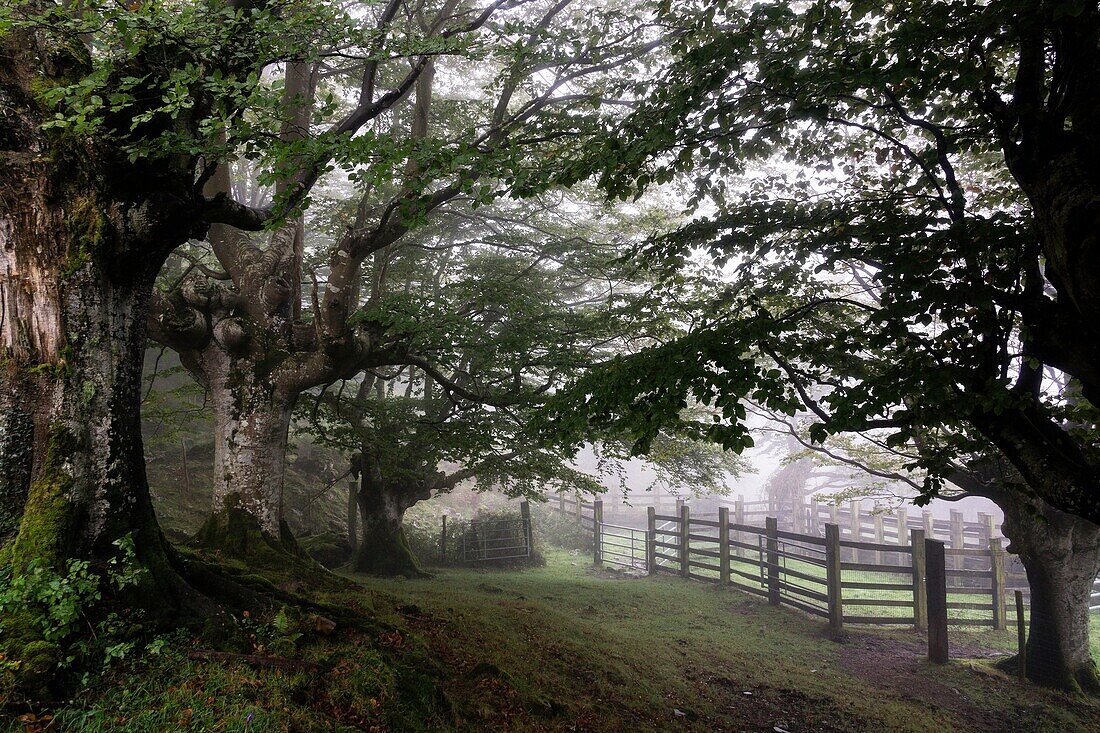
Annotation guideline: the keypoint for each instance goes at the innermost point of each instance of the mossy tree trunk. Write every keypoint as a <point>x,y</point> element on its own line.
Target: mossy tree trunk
<point>1061,554</point>
<point>251,424</point>
<point>74,335</point>
<point>384,549</point>
<point>83,231</point>
<point>239,334</point>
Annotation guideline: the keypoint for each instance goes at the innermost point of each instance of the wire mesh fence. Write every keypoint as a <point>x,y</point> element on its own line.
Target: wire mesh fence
<point>487,540</point>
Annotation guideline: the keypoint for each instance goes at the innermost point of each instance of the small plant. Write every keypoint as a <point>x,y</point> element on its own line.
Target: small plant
<point>62,617</point>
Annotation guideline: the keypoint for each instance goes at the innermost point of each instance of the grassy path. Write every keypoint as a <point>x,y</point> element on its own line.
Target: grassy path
<point>565,647</point>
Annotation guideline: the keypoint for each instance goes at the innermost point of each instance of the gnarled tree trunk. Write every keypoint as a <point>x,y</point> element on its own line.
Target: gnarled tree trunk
<point>1061,554</point>
<point>251,424</point>
<point>73,335</point>
<point>383,501</point>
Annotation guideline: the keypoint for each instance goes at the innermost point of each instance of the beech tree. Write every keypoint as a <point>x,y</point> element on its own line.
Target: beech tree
<point>907,246</point>
<point>260,325</point>
<point>115,118</point>
<point>500,305</point>
<point>503,303</point>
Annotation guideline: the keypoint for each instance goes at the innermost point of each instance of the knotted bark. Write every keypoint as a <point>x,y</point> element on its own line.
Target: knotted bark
<point>1061,554</point>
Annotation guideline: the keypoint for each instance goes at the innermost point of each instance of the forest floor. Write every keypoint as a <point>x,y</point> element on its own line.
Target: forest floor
<point>567,647</point>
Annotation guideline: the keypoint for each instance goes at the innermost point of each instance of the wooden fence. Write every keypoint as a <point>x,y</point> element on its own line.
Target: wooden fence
<point>843,580</point>
<point>857,521</point>
<point>841,575</point>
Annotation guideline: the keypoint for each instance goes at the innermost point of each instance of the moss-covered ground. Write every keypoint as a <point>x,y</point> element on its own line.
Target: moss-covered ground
<point>565,647</point>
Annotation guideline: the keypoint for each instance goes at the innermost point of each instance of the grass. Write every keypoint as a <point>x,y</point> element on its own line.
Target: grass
<point>567,647</point>
<point>603,652</point>
<point>749,561</point>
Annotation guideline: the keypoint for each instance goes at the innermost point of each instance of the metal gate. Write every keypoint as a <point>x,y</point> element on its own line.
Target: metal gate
<point>495,539</point>
<point>623,546</point>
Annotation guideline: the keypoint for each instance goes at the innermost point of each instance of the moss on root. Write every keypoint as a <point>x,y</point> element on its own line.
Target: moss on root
<point>387,554</point>
<point>235,535</point>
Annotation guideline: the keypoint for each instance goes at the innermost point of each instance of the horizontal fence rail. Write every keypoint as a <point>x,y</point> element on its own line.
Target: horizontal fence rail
<point>487,540</point>
<point>849,573</point>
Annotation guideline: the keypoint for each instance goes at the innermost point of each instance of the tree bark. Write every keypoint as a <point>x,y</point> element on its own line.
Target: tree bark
<point>1061,554</point>
<point>16,450</point>
<point>251,424</point>
<point>73,333</point>
<point>384,549</point>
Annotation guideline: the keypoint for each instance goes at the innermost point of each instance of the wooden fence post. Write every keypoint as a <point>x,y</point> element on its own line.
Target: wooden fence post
<point>834,518</point>
<point>597,530</point>
<point>990,526</point>
<point>443,542</point>
<point>772,529</point>
<point>958,538</point>
<point>929,524</point>
<point>997,586</point>
<point>580,504</point>
<point>936,577</point>
<point>685,546</point>
<point>1021,635</point>
<point>739,518</point>
<point>815,523</point>
<point>984,530</point>
<point>920,597</point>
<point>901,518</point>
<point>880,536</point>
<point>833,576</point>
<point>855,524</point>
<point>528,532</point>
<point>561,502</point>
<point>651,540</point>
<point>724,545</point>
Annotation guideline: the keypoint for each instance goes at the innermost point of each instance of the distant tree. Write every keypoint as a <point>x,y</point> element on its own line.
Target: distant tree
<point>502,309</point>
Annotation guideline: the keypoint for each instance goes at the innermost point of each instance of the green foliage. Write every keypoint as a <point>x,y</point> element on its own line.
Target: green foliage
<point>853,169</point>
<point>66,616</point>
<point>168,79</point>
